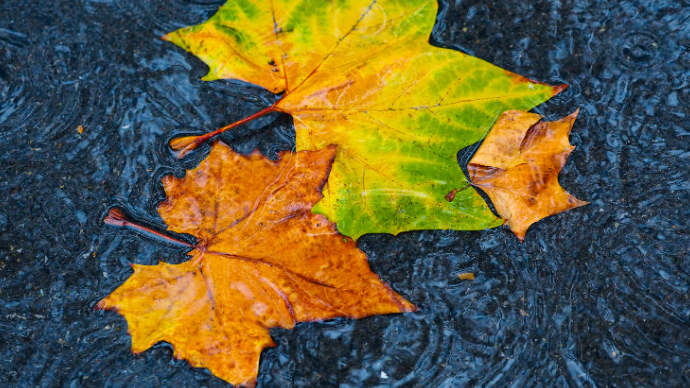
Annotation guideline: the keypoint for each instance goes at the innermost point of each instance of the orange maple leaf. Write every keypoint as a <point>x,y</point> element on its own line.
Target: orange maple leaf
<point>262,260</point>
<point>518,164</point>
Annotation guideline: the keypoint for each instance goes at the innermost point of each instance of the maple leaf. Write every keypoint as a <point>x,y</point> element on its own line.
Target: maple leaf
<point>262,260</point>
<point>518,164</point>
<point>362,74</point>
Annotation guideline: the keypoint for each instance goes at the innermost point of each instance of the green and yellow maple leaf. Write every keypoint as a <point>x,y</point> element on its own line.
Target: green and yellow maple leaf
<point>362,74</point>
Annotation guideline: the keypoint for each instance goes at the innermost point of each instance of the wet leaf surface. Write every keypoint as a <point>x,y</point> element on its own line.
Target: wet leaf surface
<point>362,74</point>
<point>262,260</point>
<point>518,164</point>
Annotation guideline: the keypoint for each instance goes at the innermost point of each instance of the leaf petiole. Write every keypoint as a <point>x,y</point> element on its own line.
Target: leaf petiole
<point>181,146</point>
<point>115,217</point>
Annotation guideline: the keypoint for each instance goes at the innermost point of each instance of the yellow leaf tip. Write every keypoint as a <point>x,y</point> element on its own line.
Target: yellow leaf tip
<point>411,309</point>
<point>578,203</point>
<point>249,384</point>
<point>520,236</point>
<point>101,305</point>
<point>105,304</point>
<point>558,88</point>
<point>211,76</point>
<point>172,37</point>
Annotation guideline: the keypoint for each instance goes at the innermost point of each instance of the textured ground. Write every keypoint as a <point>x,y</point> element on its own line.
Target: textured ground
<point>595,297</point>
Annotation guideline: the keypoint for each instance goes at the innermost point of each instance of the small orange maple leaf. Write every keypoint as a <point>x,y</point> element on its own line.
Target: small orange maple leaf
<point>262,260</point>
<point>518,164</point>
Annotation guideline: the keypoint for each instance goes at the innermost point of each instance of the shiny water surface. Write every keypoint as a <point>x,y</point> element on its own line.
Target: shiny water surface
<point>596,297</point>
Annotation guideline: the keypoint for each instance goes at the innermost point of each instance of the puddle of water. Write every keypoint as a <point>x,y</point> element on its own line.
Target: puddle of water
<point>594,297</point>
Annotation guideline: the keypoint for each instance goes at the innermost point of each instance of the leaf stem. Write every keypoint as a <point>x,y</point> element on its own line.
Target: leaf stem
<point>181,146</point>
<point>115,217</point>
